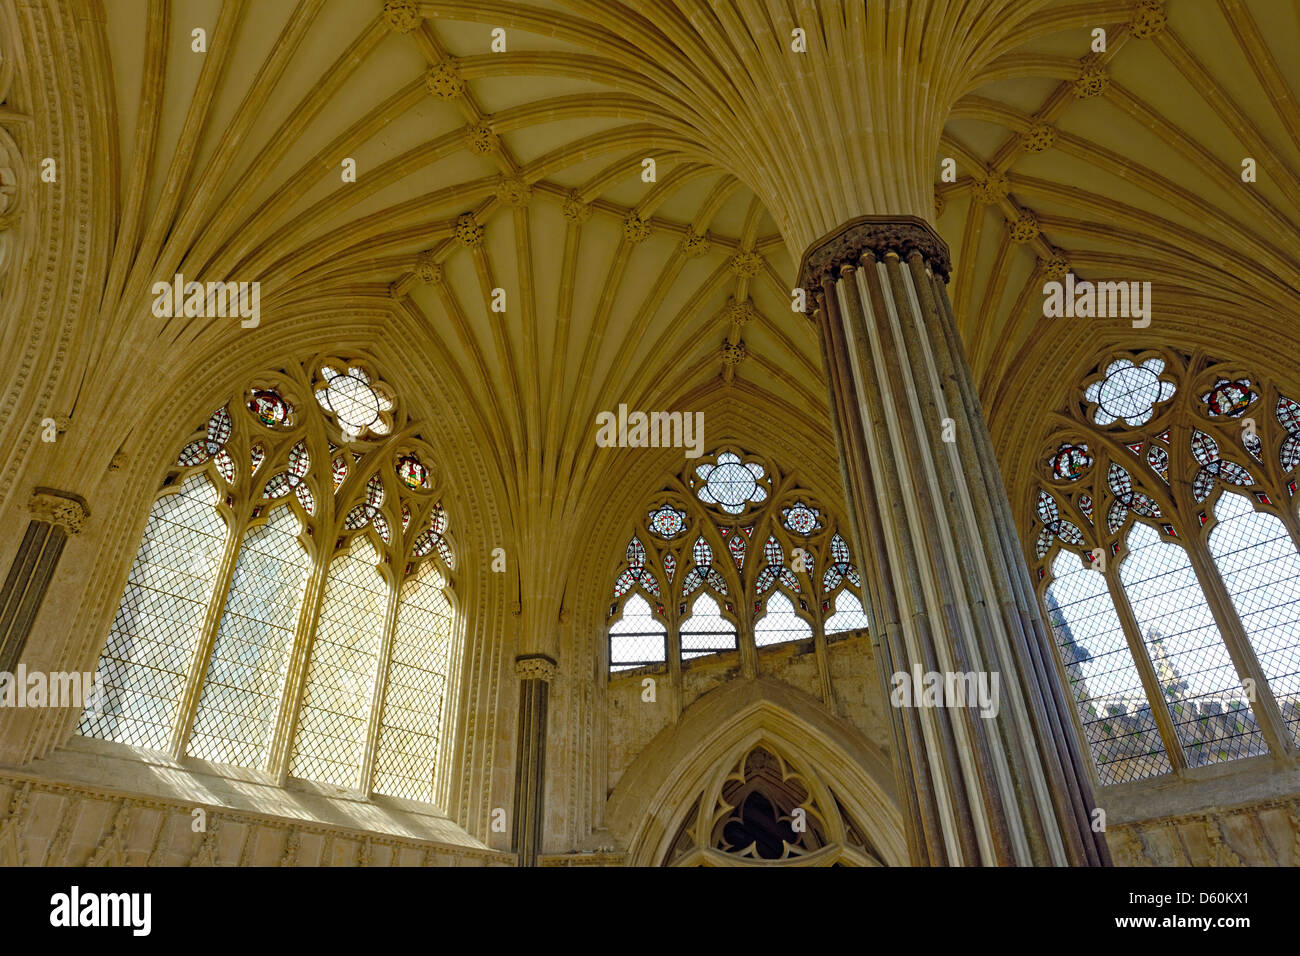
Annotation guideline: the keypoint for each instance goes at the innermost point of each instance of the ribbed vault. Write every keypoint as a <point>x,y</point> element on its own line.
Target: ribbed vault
<point>522,171</point>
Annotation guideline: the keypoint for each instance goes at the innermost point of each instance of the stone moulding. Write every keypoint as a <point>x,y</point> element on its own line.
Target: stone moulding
<point>844,245</point>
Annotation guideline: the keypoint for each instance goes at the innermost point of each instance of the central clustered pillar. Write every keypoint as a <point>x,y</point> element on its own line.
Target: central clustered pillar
<point>945,580</point>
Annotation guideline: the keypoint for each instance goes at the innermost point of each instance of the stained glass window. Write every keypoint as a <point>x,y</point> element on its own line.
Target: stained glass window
<point>840,569</point>
<point>411,471</point>
<point>1070,461</point>
<point>270,408</point>
<point>802,519</point>
<point>667,522</point>
<point>240,631</point>
<point>790,575</point>
<point>1213,468</point>
<point>1229,398</point>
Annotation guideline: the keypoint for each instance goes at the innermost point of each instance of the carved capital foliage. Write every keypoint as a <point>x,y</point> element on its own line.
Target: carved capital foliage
<point>61,508</point>
<point>879,235</point>
<point>535,667</point>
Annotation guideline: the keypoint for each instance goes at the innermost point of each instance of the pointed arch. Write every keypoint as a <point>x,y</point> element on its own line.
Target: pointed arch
<point>655,796</point>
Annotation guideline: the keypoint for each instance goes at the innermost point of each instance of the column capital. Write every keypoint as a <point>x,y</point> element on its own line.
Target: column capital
<point>535,667</point>
<point>61,508</point>
<point>878,234</point>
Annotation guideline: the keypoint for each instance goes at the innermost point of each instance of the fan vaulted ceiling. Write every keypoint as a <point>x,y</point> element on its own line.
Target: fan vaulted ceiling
<point>522,170</point>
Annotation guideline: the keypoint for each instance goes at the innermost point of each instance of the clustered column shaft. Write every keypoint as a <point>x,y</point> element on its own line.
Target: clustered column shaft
<point>947,589</point>
<point>535,673</point>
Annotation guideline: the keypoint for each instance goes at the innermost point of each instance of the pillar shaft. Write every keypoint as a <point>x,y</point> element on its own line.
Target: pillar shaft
<point>535,674</point>
<point>997,780</point>
<point>54,516</point>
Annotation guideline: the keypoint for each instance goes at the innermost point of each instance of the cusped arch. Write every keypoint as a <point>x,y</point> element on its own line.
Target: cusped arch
<point>656,794</point>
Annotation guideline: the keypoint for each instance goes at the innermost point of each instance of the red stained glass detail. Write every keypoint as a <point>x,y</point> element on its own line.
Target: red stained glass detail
<point>736,544</point>
<point>411,471</point>
<point>1070,462</point>
<point>1229,398</point>
<point>269,408</point>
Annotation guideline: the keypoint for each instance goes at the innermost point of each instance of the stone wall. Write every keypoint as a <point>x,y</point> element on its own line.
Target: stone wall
<point>52,824</point>
<point>1262,834</point>
<point>633,722</point>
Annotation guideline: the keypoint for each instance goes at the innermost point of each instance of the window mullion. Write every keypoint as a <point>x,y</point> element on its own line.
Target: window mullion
<point>188,705</point>
<point>745,639</point>
<point>673,655</point>
<point>1267,712</point>
<point>824,664</point>
<point>286,717</point>
<point>1146,672</point>
<point>371,748</point>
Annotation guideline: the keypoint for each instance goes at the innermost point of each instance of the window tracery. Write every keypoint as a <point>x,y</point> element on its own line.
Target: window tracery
<point>221,610</point>
<point>1165,542</point>
<point>717,561</point>
<point>768,812</point>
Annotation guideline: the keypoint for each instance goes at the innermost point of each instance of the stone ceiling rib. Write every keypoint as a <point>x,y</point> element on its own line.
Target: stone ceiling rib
<point>759,151</point>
